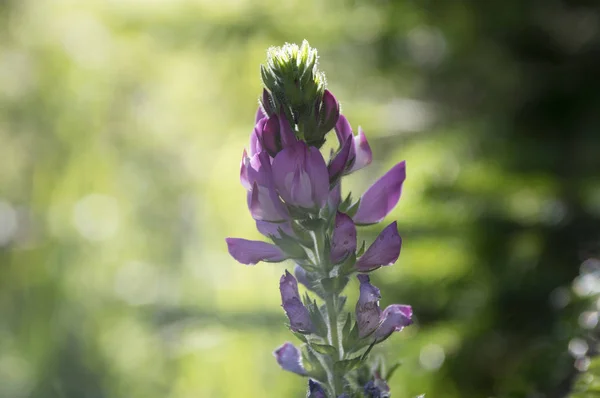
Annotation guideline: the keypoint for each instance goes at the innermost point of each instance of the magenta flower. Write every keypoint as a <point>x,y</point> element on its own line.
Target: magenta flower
<point>368,313</point>
<point>385,250</point>
<point>291,303</point>
<point>382,196</point>
<point>360,152</point>
<point>251,252</point>
<point>343,239</point>
<point>290,359</point>
<point>301,177</point>
<point>371,320</point>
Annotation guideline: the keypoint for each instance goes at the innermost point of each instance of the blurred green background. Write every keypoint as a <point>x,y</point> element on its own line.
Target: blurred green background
<point>122,124</point>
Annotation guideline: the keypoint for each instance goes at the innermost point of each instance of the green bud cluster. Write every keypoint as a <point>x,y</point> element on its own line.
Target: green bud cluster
<point>295,86</point>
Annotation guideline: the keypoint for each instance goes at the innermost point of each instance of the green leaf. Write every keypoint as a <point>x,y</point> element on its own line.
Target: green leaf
<point>325,349</point>
<point>346,365</point>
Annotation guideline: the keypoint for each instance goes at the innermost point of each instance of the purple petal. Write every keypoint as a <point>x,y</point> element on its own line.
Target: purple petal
<point>343,239</point>
<point>244,171</point>
<point>338,164</point>
<point>255,137</point>
<point>395,318</point>
<point>330,111</point>
<point>364,156</point>
<point>251,251</point>
<point>290,359</point>
<point>368,313</point>
<point>288,138</point>
<point>319,177</point>
<point>272,229</point>
<point>315,390</point>
<point>335,197</point>
<point>300,175</point>
<point>288,287</point>
<point>382,196</point>
<point>343,129</point>
<point>383,251</point>
<point>264,204</point>
<point>298,316</point>
<point>291,303</point>
<point>271,139</point>
<point>259,115</point>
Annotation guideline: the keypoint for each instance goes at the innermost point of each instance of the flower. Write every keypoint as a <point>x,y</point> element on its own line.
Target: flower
<point>291,303</point>
<point>382,196</point>
<point>276,134</point>
<point>376,388</point>
<point>371,320</point>
<point>263,201</point>
<point>368,313</point>
<point>360,154</point>
<point>290,359</point>
<point>343,239</point>
<point>395,318</point>
<point>274,229</point>
<point>385,250</point>
<point>315,390</point>
<point>251,252</point>
<point>300,176</point>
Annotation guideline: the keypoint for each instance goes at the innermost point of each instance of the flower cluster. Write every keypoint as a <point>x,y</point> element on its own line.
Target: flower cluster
<point>294,195</point>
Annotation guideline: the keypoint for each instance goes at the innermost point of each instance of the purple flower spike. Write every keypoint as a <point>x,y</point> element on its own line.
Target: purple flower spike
<point>343,239</point>
<point>315,390</point>
<point>290,359</point>
<point>291,303</point>
<point>251,252</point>
<point>301,177</point>
<point>385,250</point>
<point>382,196</point>
<point>368,313</point>
<point>395,318</point>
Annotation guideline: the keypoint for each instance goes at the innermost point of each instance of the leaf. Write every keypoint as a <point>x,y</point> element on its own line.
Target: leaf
<point>346,365</point>
<point>325,349</point>
<point>391,371</point>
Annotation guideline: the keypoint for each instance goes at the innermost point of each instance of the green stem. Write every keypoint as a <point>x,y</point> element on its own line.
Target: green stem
<point>334,340</point>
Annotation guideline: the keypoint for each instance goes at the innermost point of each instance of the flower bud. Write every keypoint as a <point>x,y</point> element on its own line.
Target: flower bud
<point>291,303</point>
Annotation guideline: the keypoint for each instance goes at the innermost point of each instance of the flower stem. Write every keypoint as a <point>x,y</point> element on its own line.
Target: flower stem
<point>334,340</point>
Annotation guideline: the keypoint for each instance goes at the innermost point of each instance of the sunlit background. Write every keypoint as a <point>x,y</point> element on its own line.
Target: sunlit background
<point>122,124</point>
